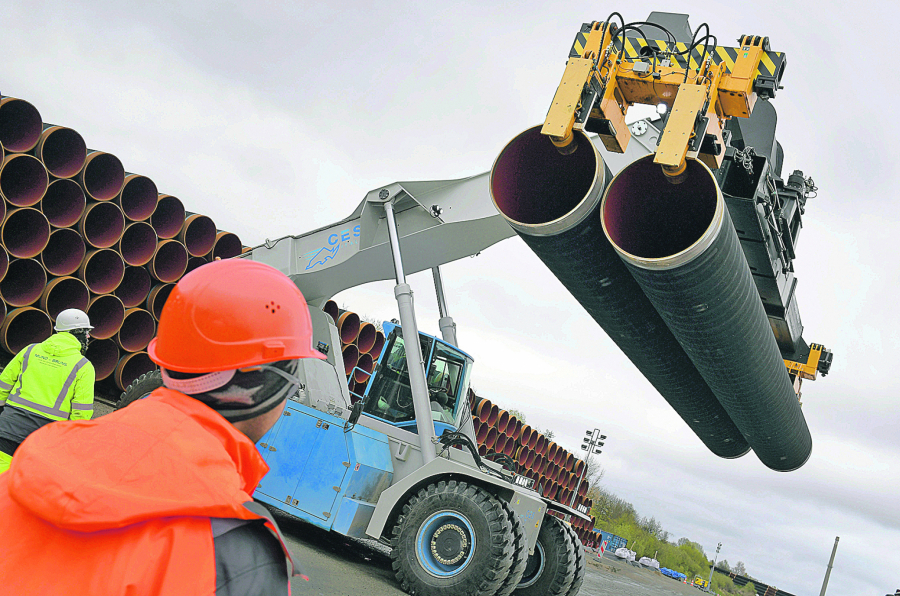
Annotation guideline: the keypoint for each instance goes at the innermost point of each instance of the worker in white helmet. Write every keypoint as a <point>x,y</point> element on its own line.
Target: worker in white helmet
<point>46,382</point>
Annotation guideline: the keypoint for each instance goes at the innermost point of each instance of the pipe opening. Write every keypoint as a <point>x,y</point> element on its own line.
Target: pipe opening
<point>104,355</point>
<point>23,180</point>
<point>25,232</point>
<point>63,293</point>
<point>168,217</point>
<point>647,216</point>
<point>102,224</point>
<point>102,271</point>
<point>63,203</point>
<point>138,198</point>
<point>106,314</point>
<point>138,244</point>
<point>20,125</point>
<point>63,151</point>
<point>23,283</point>
<point>134,287</point>
<point>24,326</point>
<point>531,183</point>
<point>103,176</point>
<point>64,252</point>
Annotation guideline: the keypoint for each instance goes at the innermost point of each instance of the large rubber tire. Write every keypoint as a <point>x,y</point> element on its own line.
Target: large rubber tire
<point>520,555</point>
<point>580,561</point>
<point>465,527</point>
<point>140,388</point>
<point>551,568</point>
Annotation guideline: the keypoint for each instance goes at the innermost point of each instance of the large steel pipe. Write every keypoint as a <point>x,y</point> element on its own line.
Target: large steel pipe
<point>62,293</point>
<point>168,217</point>
<point>378,346</point>
<point>62,150</point>
<point>102,176</point>
<point>130,367</point>
<point>104,355</point>
<point>25,232</point>
<point>20,125</point>
<point>23,180</point>
<point>102,270</point>
<point>331,309</point>
<point>4,262</point>
<point>106,313</point>
<point>364,367</point>
<point>24,326</point>
<point>348,326</point>
<point>194,262</point>
<point>63,203</point>
<point>135,286</point>
<point>138,197</point>
<point>225,246</point>
<point>138,243</point>
<point>552,201</point>
<point>681,247</point>
<point>350,355</point>
<point>138,328</point>
<point>169,261</point>
<point>102,224</point>
<point>198,234</point>
<point>157,297</point>
<point>64,252</point>
<point>23,283</point>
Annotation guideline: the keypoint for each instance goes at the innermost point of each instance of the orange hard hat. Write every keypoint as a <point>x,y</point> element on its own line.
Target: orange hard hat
<point>232,314</point>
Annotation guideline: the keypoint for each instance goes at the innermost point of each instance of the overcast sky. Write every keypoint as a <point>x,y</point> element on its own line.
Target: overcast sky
<point>276,118</point>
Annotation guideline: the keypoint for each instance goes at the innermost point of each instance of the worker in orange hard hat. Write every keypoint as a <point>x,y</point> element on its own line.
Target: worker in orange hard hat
<point>45,382</point>
<point>155,498</point>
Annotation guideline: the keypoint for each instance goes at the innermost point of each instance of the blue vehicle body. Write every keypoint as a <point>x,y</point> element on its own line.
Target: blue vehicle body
<point>331,473</point>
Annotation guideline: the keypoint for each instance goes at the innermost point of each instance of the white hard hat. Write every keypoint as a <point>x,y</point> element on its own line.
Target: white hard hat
<point>71,319</point>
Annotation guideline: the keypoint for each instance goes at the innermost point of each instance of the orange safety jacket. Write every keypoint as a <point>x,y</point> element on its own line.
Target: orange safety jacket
<point>123,504</point>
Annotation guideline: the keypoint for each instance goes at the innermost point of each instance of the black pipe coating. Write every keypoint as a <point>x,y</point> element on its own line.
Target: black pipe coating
<point>551,201</point>
<point>680,245</point>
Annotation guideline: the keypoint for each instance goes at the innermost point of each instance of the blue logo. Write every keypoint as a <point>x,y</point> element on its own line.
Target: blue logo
<point>326,253</point>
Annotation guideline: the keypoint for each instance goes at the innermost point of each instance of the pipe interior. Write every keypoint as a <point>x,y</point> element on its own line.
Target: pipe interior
<point>139,197</point>
<point>28,327</point>
<point>158,299</point>
<point>227,246</point>
<point>170,261</point>
<point>104,355</point>
<point>103,271</point>
<point>106,314</point>
<point>103,225</point>
<point>64,152</point>
<point>532,183</point>
<point>64,252</point>
<point>168,217</point>
<point>138,244</point>
<point>26,233</point>
<point>23,180</point>
<point>23,283</point>
<point>136,365</point>
<point>104,176</point>
<point>63,203</point>
<point>20,125</point>
<point>67,293</point>
<point>134,287</point>
<point>647,216</point>
<point>137,330</point>
<point>200,236</point>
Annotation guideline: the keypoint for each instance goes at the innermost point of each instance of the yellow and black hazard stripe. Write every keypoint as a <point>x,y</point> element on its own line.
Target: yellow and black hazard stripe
<point>770,64</point>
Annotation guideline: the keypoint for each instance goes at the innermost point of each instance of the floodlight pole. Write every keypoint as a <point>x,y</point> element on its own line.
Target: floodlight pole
<point>595,440</point>
<point>713,568</point>
<point>830,565</point>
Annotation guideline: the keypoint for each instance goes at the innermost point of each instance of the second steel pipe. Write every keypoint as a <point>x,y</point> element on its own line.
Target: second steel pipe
<point>552,201</point>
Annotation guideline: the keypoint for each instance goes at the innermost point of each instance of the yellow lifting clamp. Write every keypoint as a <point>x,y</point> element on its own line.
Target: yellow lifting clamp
<point>701,87</point>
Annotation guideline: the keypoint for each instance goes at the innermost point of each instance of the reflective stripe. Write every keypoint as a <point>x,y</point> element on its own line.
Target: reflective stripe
<point>69,380</point>
<point>18,392</point>
<point>6,386</point>
<point>56,410</point>
<point>44,409</point>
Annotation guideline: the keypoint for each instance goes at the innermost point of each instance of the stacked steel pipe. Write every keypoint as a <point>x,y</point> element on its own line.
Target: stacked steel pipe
<point>556,472</point>
<point>361,346</point>
<point>78,231</point>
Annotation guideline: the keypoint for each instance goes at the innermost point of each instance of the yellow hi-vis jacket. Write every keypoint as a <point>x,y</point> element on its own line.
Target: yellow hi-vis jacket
<point>51,379</point>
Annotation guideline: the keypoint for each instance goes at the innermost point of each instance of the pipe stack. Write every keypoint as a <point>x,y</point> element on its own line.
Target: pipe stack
<point>555,470</point>
<point>361,346</point>
<point>78,231</point>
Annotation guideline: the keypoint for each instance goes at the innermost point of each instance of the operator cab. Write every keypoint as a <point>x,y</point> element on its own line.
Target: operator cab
<point>388,396</point>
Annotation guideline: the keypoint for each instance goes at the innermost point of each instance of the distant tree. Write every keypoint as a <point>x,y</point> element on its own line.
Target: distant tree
<point>548,434</point>
<point>518,414</point>
<point>723,564</point>
<point>739,568</point>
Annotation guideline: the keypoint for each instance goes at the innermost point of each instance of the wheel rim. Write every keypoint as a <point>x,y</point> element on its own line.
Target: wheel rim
<point>535,566</point>
<point>445,543</point>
